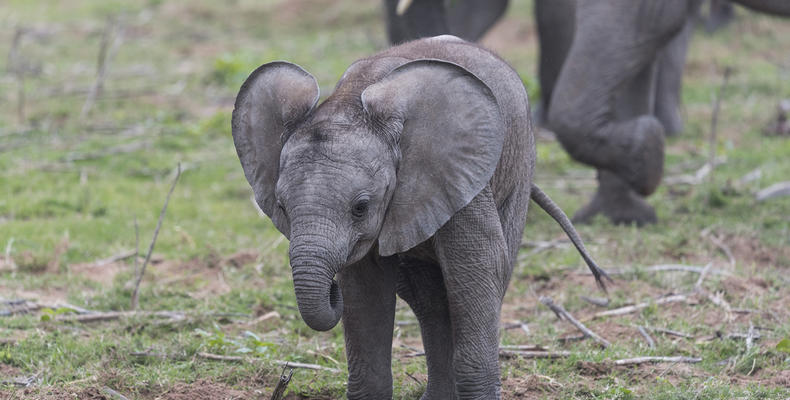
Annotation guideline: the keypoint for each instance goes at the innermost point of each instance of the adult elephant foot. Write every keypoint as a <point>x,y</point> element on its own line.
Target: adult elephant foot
<point>638,153</point>
<point>617,202</point>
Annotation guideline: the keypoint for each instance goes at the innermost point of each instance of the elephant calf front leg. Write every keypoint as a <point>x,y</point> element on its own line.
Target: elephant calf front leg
<point>471,251</point>
<point>368,319</point>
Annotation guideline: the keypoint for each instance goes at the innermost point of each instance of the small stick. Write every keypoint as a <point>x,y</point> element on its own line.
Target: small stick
<point>775,190</point>
<point>136,246</point>
<point>561,313</point>
<point>290,364</point>
<point>750,337</point>
<point>656,359</point>
<point>282,384</point>
<point>600,302</point>
<point>106,52</point>
<point>153,240</point>
<point>113,315</point>
<point>671,332</point>
<point>713,125</point>
<point>8,259</point>
<point>637,307</point>
<point>723,247</point>
<point>664,268</point>
<point>702,276</point>
<point>650,342</point>
<point>118,257</point>
<point>533,354</point>
<point>522,347</point>
<point>113,394</point>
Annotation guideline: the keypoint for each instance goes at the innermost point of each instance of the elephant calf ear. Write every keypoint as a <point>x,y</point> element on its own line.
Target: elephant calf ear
<point>274,98</point>
<point>449,132</point>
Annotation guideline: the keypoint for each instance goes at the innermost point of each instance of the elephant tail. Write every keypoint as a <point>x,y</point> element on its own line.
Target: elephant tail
<point>551,208</point>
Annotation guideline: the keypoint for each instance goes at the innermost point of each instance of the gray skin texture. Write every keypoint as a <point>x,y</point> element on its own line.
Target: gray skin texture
<point>411,178</point>
<point>606,106</point>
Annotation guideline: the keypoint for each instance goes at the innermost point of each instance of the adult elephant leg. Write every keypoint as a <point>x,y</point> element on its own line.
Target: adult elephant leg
<point>368,291</point>
<point>423,18</point>
<point>471,19</point>
<point>472,254</point>
<point>614,42</point>
<point>421,285</point>
<point>669,80</point>
<point>614,198</point>
<point>555,20</point>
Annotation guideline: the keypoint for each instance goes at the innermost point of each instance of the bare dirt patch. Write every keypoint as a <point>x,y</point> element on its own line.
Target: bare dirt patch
<point>529,387</point>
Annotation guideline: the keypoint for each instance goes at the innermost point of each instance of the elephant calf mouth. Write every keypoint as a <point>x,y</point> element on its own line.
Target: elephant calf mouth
<point>327,312</point>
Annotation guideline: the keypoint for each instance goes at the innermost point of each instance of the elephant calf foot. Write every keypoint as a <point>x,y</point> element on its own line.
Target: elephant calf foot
<point>617,202</point>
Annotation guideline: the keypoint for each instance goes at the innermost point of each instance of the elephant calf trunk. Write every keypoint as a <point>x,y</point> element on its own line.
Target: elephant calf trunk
<point>318,295</point>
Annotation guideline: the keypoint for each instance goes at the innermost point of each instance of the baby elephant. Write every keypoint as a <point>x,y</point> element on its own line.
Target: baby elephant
<point>413,178</point>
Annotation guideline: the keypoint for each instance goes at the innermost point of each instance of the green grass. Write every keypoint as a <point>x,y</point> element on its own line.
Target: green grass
<point>71,189</point>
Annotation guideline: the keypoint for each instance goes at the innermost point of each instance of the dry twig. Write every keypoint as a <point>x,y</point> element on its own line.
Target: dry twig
<point>290,364</point>
<point>282,383</point>
<point>656,359</point>
<point>650,342</point>
<point>533,354</point>
<point>153,240</point>
<point>563,314</point>
<point>775,190</point>
<point>713,125</point>
<point>111,39</point>
<point>671,332</point>
<point>637,307</point>
<point>113,394</point>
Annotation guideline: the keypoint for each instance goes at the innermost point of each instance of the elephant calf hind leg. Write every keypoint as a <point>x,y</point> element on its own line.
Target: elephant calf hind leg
<point>615,200</point>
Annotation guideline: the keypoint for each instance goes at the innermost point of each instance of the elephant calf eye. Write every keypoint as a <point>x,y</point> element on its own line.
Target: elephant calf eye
<point>360,208</point>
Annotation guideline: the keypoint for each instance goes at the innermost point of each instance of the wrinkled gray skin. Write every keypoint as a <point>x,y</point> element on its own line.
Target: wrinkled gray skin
<point>413,178</point>
<point>605,103</point>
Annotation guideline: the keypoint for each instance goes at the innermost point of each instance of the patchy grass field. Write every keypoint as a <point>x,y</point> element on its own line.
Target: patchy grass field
<point>75,177</point>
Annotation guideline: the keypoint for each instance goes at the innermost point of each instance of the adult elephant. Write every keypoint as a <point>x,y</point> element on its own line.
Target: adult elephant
<point>603,106</point>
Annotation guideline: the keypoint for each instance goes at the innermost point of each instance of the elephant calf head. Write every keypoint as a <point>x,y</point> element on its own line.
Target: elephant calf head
<point>382,164</point>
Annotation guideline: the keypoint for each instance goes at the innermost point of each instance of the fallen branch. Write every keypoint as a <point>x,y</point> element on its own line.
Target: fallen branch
<point>533,354</point>
<point>118,257</point>
<point>664,268</point>
<point>522,347</point>
<point>153,240</point>
<point>282,383</point>
<point>702,276</point>
<point>657,359</point>
<point>724,248</point>
<point>290,364</point>
<point>750,336</point>
<point>113,32</point>
<point>671,332</point>
<point>563,314</point>
<point>712,143</point>
<point>637,307</point>
<point>650,342</point>
<point>517,325</point>
<point>775,190</point>
<point>113,315</point>
<point>600,302</point>
<point>113,394</point>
